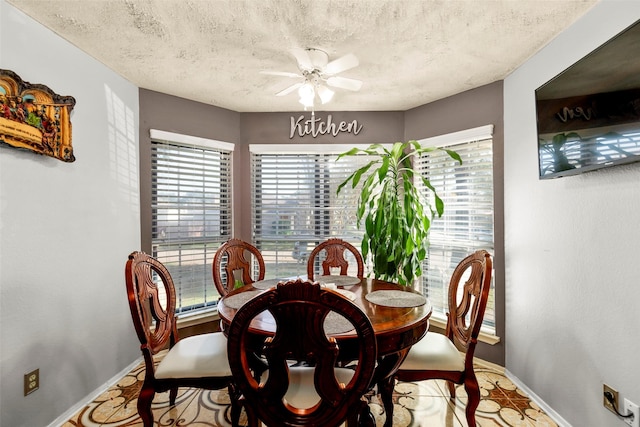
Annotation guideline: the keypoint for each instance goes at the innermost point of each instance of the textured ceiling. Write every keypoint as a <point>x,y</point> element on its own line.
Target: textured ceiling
<point>411,52</point>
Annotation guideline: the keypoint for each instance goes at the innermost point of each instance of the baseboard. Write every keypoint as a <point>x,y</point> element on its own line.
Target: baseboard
<point>488,365</point>
<point>541,403</point>
<point>63,418</point>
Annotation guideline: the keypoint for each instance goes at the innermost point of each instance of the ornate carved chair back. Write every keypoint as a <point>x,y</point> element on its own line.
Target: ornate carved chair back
<point>303,385</point>
<point>236,260</point>
<point>335,258</point>
<point>468,296</point>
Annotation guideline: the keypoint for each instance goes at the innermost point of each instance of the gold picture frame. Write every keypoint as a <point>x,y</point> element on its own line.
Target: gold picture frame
<point>35,118</point>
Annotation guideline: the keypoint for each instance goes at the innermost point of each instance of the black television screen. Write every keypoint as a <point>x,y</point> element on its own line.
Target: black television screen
<point>589,115</point>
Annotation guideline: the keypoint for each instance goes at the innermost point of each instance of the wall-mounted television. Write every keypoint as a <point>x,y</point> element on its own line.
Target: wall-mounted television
<point>589,115</point>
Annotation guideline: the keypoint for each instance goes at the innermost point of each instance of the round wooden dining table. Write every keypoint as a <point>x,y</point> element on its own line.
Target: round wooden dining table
<point>396,327</point>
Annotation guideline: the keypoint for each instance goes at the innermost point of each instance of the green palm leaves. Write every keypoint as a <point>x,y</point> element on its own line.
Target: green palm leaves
<point>396,216</point>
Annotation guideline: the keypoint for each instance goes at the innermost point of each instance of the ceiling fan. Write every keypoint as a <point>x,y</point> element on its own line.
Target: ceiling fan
<point>317,74</point>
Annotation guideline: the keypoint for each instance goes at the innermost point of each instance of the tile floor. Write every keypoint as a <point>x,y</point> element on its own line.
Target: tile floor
<point>418,404</point>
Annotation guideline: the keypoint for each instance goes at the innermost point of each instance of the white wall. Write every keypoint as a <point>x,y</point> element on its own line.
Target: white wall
<point>65,232</point>
<point>571,248</point>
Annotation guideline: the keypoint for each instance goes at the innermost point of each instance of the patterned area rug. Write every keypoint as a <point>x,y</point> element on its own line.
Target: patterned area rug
<point>423,403</point>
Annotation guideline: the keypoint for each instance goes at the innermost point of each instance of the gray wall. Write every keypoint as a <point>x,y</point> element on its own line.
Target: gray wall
<point>467,110</point>
<point>571,250</point>
<point>65,232</point>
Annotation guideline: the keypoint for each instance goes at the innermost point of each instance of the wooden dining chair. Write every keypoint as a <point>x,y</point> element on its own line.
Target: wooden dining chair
<point>302,385</point>
<point>235,263</point>
<point>334,258</point>
<point>198,361</point>
<point>438,356</point>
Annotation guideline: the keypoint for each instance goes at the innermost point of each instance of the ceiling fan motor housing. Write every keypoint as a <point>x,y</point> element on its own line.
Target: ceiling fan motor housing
<point>318,59</point>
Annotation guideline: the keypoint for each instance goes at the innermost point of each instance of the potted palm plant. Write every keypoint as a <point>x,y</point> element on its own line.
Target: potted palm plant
<point>396,216</point>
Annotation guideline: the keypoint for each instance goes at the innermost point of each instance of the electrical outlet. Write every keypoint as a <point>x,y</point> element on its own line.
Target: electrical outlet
<point>31,381</point>
<point>606,402</point>
<point>630,407</point>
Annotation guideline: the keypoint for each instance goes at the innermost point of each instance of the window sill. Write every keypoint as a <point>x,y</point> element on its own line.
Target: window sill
<point>483,337</point>
<point>194,319</point>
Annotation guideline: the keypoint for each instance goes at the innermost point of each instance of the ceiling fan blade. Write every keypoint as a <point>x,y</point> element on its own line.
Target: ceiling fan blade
<point>303,58</point>
<point>281,73</point>
<point>290,89</point>
<point>341,64</point>
<point>345,83</point>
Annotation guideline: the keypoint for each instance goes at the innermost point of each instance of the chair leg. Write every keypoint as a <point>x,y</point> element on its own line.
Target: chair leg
<point>234,396</point>
<point>452,389</point>
<point>385,388</point>
<point>352,420</point>
<point>473,394</point>
<point>252,419</point>
<point>144,406</point>
<point>365,418</point>
<point>173,394</point>
<point>362,417</point>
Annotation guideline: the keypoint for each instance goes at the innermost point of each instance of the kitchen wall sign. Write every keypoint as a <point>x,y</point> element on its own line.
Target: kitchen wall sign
<point>315,126</point>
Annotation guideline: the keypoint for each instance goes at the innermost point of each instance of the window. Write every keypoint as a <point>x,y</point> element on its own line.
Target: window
<point>467,222</point>
<point>191,212</point>
<point>295,206</point>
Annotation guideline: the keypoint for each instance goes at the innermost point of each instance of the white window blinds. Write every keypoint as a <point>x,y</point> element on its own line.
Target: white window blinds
<point>467,222</point>
<point>191,212</point>
<point>295,206</point>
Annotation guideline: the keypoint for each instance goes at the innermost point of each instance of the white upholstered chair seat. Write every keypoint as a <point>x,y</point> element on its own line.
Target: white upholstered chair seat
<point>302,392</point>
<point>434,352</point>
<point>196,357</point>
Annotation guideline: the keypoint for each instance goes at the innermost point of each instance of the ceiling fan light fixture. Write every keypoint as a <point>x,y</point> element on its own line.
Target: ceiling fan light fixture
<point>325,94</point>
<point>306,103</point>
<point>318,76</point>
<point>307,94</point>
<point>306,91</point>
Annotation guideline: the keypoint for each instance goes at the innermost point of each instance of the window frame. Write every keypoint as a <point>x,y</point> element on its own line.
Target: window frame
<point>323,187</point>
<point>226,151</point>
<point>478,134</point>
